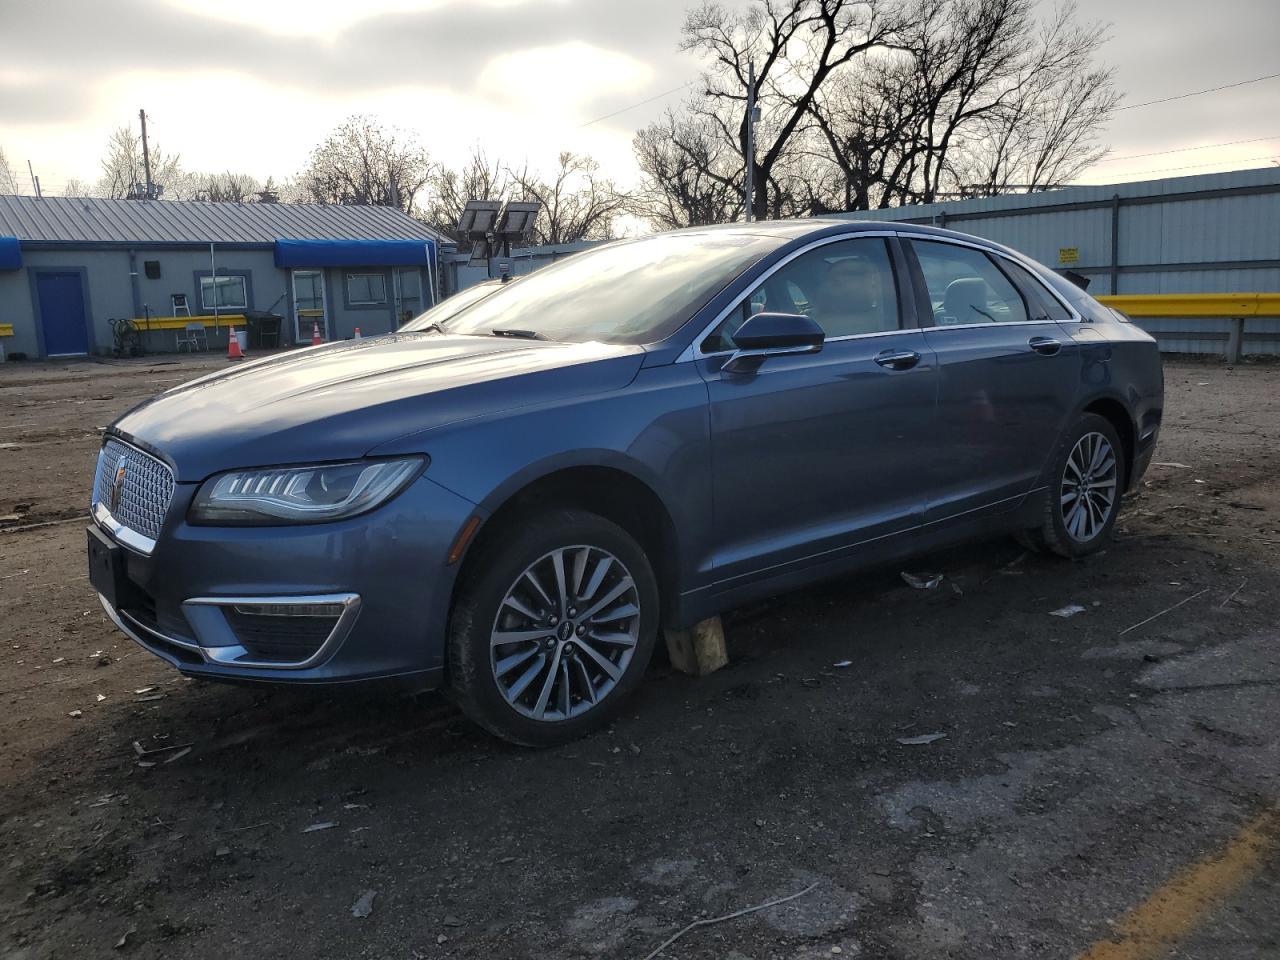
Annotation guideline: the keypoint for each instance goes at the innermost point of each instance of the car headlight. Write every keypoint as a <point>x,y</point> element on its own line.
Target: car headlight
<point>302,494</point>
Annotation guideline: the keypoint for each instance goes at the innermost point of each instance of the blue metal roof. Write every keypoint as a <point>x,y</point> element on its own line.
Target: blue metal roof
<point>75,220</point>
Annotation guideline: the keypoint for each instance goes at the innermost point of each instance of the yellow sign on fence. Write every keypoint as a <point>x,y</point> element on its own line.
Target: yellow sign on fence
<point>1068,255</point>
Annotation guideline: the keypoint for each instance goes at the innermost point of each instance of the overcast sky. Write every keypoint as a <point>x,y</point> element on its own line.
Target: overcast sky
<point>252,85</point>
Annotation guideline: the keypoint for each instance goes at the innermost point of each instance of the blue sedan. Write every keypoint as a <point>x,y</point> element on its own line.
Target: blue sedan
<point>508,497</point>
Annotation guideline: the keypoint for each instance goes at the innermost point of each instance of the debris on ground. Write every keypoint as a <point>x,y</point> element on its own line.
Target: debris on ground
<point>1155,616</point>
<point>841,664</point>
<point>222,852</point>
<point>75,714</point>
<point>921,740</point>
<point>922,581</point>
<point>451,921</point>
<point>124,937</point>
<point>322,825</point>
<point>1172,463</point>
<point>144,752</point>
<point>364,904</point>
<point>708,921</point>
<point>1070,610</point>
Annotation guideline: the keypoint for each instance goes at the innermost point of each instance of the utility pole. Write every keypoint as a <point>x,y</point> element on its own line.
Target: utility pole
<point>146,154</point>
<point>35,181</point>
<point>749,191</point>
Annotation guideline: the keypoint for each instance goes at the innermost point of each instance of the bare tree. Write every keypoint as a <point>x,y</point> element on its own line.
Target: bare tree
<point>75,187</point>
<point>1047,131</point>
<point>363,162</point>
<point>8,179</point>
<point>226,187</point>
<point>477,179</point>
<point>578,203</point>
<point>689,176</point>
<point>124,173</point>
<point>876,104</point>
<point>796,46</point>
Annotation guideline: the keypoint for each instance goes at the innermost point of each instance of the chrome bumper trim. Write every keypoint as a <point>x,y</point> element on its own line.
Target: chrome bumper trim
<point>234,655</point>
<point>119,532</point>
<point>118,618</point>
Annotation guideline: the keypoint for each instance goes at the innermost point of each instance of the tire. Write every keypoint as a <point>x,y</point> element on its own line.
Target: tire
<point>510,587</point>
<point>1071,526</point>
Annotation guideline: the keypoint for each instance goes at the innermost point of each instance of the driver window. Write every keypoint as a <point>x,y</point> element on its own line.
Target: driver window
<point>846,287</point>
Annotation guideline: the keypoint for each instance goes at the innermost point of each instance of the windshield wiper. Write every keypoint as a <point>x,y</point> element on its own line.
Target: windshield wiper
<point>434,325</point>
<point>519,334</point>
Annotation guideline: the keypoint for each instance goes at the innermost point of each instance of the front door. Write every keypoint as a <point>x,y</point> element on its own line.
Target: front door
<point>408,294</point>
<point>1007,379</point>
<point>309,305</point>
<point>62,314</point>
<point>815,452</point>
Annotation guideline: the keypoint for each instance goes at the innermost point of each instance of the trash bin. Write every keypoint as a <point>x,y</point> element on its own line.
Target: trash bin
<point>243,337</point>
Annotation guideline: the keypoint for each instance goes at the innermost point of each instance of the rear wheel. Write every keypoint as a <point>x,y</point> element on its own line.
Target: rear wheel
<point>553,627</point>
<point>1084,497</point>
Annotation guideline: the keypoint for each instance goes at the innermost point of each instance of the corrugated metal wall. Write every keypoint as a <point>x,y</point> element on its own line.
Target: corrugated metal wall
<point>1215,233</point>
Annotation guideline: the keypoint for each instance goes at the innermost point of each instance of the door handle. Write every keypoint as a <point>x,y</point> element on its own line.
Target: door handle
<point>1045,345</point>
<point>898,359</point>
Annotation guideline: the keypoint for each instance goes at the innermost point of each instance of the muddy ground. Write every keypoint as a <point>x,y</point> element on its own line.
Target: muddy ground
<point>1086,763</point>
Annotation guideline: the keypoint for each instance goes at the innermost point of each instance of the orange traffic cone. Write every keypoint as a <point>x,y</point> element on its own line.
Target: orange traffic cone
<point>357,333</point>
<point>233,345</point>
<point>315,334</point>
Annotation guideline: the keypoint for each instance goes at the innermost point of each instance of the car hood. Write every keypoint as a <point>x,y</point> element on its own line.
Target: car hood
<point>341,400</point>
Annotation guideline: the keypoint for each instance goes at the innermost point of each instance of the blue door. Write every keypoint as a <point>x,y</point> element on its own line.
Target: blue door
<point>62,314</point>
<point>817,452</point>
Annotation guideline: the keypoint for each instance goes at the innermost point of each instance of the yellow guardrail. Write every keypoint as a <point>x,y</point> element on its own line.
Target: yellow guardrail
<point>180,323</point>
<point>1196,305</point>
<point>1235,308</point>
<point>6,329</point>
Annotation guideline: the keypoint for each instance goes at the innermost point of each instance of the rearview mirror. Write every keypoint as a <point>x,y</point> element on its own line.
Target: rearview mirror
<point>773,335</point>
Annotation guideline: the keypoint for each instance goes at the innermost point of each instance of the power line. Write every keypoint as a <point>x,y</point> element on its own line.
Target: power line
<point>1196,93</point>
<point>1203,146</point>
<point>665,93</point>
<point>1192,166</point>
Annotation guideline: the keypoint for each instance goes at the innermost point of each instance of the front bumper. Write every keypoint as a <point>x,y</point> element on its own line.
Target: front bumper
<point>223,603</point>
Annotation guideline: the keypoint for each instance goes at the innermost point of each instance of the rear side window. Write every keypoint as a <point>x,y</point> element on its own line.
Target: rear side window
<point>847,287</point>
<point>965,286</point>
<point>1044,305</point>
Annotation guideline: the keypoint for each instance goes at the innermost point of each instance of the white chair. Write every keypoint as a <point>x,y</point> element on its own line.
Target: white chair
<point>193,336</point>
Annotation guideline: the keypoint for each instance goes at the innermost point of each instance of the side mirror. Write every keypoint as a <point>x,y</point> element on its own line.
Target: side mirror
<point>772,335</point>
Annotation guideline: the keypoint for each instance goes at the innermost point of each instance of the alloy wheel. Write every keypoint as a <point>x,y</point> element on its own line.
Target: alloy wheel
<point>1088,493</point>
<point>565,633</point>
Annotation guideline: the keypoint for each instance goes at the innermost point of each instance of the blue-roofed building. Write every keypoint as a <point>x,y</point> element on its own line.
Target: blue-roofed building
<point>70,265</point>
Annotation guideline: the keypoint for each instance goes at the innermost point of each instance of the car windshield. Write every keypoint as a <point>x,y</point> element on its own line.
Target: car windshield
<point>452,306</point>
<point>637,291</point>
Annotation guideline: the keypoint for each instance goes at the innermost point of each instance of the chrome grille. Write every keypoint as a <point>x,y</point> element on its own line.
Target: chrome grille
<point>145,492</point>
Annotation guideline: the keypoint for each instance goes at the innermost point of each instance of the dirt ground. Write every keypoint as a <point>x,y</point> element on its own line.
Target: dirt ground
<point>1088,766</point>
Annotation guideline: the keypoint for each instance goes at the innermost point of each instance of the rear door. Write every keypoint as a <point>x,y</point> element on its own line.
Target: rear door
<point>813,453</point>
<point>1008,376</point>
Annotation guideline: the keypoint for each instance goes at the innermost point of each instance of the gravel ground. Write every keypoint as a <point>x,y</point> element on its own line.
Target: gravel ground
<point>1083,766</point>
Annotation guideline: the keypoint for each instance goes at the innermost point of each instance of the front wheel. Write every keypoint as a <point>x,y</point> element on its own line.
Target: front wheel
<point>554,625</point>
<point>1084,495</point>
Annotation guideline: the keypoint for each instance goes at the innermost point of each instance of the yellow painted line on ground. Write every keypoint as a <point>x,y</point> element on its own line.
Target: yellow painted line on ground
<point>1151,930</point>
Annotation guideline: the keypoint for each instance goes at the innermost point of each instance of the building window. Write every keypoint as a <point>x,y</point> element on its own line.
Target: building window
<point>223,293</point>
<point>366,288</point>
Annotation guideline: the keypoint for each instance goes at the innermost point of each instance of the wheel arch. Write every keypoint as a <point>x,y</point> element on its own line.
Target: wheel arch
<point>607,489</point>
<point>1115,412</point>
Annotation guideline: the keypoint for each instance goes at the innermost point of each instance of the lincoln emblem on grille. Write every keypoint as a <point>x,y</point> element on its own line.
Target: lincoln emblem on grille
<point>117,484</point>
